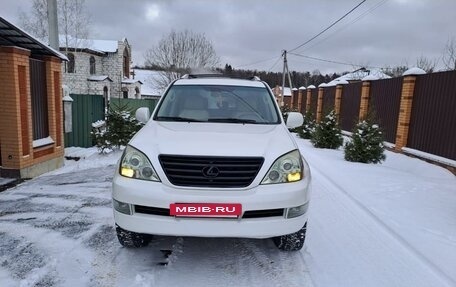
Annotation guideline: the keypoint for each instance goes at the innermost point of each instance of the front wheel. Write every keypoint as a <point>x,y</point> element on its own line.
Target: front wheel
<point>131,239</point>
<point>291,242</point>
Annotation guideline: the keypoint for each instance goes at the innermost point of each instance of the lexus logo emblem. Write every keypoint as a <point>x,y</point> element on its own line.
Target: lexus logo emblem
<point>210,171</point>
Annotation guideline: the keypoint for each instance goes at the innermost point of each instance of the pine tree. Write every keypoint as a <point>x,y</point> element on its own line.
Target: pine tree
<point>327,133</point>
<point>120,128</point>
<point>366,145</point>
<point>308,127</point>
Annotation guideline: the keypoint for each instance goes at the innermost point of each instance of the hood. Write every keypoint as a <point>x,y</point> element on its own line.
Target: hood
<point>213,139</point>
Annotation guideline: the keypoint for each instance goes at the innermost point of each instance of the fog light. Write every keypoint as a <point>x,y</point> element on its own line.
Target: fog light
<point>122,207</point>
<point>296,211</point>
<point>294,176</point>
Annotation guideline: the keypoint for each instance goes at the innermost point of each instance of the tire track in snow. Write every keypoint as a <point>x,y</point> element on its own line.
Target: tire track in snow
<point>333,186</point>
<point>69,258</point>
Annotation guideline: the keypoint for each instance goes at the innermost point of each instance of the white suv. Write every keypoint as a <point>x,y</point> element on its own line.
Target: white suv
<point>215,160</point>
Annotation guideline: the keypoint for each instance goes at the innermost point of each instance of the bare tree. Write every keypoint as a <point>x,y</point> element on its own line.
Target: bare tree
<point>179,53</point>
<point>426,64</point>
<point>449,54</point>
<point>73,18</point>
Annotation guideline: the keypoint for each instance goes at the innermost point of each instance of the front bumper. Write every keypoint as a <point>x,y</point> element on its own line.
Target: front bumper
<point>159,195</point>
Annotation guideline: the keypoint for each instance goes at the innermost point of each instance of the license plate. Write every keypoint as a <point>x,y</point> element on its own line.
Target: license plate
<point>205,209</point>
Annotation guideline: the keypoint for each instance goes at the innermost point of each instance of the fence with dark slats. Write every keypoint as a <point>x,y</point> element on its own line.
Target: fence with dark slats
<point>349,106</point>
<point>329,98</point>
<point>303,101</point>
<point>314,103</point>
<point>384,104</point>
<point>433,118</point>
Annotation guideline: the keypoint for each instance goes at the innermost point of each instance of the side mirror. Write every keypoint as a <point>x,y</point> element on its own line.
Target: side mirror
<point>142,115</point>
<point>294,120</point>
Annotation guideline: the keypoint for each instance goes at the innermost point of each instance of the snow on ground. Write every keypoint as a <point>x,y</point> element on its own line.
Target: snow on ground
<point>370,225</point>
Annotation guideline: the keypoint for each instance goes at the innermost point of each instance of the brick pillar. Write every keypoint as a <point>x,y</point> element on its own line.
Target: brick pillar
<point>309,98</point>
<point>337,101</point>
<point>408,86</point>
<point>300,101</point>
<point>364,105</point>
<point>54,95</point>
<point>319,104</point>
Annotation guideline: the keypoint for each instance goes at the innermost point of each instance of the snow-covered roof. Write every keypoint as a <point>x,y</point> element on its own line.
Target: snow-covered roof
<point>287,92</point>
<point>360,74</point>
<point>131,81</point>
<point>149,88</point>
<point>102,46</point>
<point>414,71</point>
<point>11,35</point>
<point>99,78</point>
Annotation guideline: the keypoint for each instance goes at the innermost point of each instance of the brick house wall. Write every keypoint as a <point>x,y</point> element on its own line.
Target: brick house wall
<point>109,64</point>
<point>20,157</point>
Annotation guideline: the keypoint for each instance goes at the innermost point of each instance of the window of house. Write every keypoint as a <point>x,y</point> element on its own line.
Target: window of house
<point>39,99</point>
<point>92,65</point>
<point>70,64</point>
<point>126,64</point>
<point>125,94</point>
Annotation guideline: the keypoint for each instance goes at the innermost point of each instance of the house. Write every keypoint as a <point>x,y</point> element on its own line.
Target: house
<point>31,130</point>
<point>359,74</point>
<point>277,91</point>
<point>99,67</point>
<point>149,88</point>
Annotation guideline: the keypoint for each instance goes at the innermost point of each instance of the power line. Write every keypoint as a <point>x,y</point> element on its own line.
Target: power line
<point>331,61</point>
<point>276,62</point>
<point>257,62</point>
<point>370,10</point>
<point>329,27</point>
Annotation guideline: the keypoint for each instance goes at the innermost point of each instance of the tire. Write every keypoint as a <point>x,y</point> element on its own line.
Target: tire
<point>131,239</point>
<point>293,241</point>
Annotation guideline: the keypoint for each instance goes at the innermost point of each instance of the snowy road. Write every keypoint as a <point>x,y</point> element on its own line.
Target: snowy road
<point>57,230</point>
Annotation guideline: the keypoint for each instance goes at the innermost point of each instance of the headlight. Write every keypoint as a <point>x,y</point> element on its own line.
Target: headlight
<point>287,168</point>
<point>135,164</point>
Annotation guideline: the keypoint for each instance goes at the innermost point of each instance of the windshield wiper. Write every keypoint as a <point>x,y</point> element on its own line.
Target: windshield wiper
<point>177,119</point>
<point>232,120</point>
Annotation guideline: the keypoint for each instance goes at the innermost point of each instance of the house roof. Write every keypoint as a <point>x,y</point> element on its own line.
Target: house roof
<point>358,75</point>
<point>11,35</point>
<point>99,46</point>
<point>149,87</point>
<point>99,78</point>
<point>131,81</point>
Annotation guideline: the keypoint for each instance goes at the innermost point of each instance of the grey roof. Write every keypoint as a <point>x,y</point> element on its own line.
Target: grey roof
<point>99,78</point>
<point>11,35</point>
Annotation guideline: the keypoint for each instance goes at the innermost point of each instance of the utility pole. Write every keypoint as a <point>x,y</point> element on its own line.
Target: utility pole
<point>284,55</point>
<point>285,69</point>
<point>53,24</point>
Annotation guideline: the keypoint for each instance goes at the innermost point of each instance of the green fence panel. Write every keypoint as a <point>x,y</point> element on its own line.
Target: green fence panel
<point>132,105</point>
<point>86,109</point>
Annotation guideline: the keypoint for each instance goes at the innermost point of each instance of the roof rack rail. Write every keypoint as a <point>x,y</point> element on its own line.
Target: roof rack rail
<point>197,76</point>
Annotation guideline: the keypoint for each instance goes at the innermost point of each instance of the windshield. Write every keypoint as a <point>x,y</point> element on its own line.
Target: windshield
<point>232,104</point>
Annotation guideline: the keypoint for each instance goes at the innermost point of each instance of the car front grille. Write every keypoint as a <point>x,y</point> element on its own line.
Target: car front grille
<point>208,171</point>
<point>247,214</point>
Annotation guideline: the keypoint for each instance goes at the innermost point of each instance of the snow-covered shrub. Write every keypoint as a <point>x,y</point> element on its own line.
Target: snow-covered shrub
<point>327,133</point>
<point>308,127</point>
<point>366,145</point>
<point>120,128</point>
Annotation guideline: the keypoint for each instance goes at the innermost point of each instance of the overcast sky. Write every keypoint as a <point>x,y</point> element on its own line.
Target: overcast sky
<point>255,31</point>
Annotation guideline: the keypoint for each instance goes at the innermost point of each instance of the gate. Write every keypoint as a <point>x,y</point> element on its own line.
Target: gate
<point>86,109</point>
